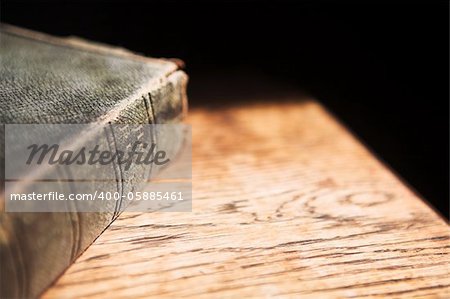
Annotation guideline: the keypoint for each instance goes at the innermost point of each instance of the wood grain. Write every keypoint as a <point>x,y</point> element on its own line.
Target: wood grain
<point>286,203</point>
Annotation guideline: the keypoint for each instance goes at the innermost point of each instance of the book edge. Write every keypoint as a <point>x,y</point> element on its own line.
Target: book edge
<point>168,66</point>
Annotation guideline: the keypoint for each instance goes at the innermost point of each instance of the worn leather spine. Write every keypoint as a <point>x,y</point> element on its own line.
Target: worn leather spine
<point>47,79</point>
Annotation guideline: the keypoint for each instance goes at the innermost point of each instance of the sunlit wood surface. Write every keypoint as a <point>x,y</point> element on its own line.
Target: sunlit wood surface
<point>286,203</point>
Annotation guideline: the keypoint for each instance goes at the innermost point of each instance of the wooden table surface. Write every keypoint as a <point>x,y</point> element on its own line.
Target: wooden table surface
<point>286,202</point>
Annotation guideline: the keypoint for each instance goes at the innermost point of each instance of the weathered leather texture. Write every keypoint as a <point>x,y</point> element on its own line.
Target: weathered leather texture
<point>46,79</point>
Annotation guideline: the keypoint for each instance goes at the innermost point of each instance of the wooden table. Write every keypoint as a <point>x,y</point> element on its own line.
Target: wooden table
<point>286,202</point>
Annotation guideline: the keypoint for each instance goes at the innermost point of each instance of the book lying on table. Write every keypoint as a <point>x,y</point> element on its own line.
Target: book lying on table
<point>59,81</point>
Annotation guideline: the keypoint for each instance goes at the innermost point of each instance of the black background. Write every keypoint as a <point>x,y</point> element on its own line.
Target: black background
<point>381,67</point>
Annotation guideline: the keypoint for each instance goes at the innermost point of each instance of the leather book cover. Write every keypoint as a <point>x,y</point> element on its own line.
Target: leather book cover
<point>52,80</point>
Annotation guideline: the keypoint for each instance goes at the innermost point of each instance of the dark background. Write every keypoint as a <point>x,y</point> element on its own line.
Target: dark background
<point>381,67</point>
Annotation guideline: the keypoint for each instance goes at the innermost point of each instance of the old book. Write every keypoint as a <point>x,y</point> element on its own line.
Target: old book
<point>50,80</point>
